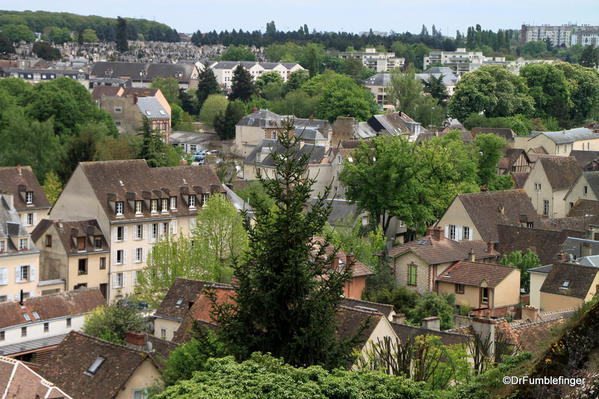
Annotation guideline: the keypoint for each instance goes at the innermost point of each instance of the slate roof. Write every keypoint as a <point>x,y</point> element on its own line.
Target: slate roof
<point>48,307</point>
<point>541,269</point>
<point>342,211</point>
<point>593,179</point>
<point>475,273</point>
<point>69,231</point>
<point>105,91</point>
<point>11,227</point>
<point>584,158</point>
<point>545,243</point>
<point>561,172</point>
<point>68,363</point>
<point>149,72</point>
<point>122,180</point>
<point>568,136</point>
<point>406,333</point>
<point>592,260</point>
<point>19,381</point>
<point>444,250</point>
<point>394,124</point>
<point>580,278</point>
<point>356,324</point>
<point>487,209</point>
<point>316,153</point>
<point>503,132</point>
<point>184,291</point>
<point>584,207</point>
<point>17,180</point>
<point>179,137</point>
<point>45,343</point>
<point>151,108</point>
<point>578,247</point>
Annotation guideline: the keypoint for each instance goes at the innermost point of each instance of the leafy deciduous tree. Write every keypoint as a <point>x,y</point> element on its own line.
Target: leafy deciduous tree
<point>112,322</point>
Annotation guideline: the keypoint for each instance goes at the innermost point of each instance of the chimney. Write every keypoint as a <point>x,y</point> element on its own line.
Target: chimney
<point>135,338</point>
<point>399,318</point>
<point>431,323</point>
<point>350,259</point>
<point>471,256</point>
<point>530,313</point>
<point>490,246</point>
<point>435,232</point>
<point>19,170</point>
<point>563,257</point>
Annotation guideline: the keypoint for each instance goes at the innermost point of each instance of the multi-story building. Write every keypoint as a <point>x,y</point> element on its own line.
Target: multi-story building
<point>223,70</point>
<point>34,75</point>
<point>74,251</point>
<point>562,35</point>
<point>143,74</point>
<point>28,198</point>
<point>460,60</point>
<point>134,206</point>
<point>378,61</point>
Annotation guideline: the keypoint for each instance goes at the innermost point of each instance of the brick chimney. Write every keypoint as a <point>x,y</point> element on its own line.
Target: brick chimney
<point>431,323</point>
<point>471,255</point>
<point>135,338</point>
<point>435,232</point>
<point>350,259</point>
<point>563,256</point>
<point>399,318</point>
<point>490,246</point>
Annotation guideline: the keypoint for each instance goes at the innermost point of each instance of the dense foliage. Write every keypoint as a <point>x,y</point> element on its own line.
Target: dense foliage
<point>112,322</point>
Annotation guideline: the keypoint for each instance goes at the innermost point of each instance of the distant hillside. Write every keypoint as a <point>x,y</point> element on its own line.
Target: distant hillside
<point>105,28</point>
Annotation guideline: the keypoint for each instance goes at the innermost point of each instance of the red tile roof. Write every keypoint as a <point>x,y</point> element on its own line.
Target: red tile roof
<point>19,381</point>
<point>444,250</point>
<point>474,274</point>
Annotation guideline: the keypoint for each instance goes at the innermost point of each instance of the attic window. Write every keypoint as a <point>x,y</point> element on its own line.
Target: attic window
<point>26,316</point>
<point>36,315</point>
<point>29,197</point>
<point>179,302</point>
<point>95,366</point>
<point>565,285</point>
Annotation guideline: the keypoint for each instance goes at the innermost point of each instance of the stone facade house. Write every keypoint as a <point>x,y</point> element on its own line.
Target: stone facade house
<point>560,142</point>
<point>586,187</point>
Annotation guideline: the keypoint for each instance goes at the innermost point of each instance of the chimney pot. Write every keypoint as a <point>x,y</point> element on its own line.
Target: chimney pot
<point>471,255</point>
<point>563,257</point>
<point>135,338</point>
<point>399,318</point>
<point>435,233</point>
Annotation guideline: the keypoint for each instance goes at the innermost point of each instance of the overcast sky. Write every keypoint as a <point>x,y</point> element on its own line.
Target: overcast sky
<point>334,15</point>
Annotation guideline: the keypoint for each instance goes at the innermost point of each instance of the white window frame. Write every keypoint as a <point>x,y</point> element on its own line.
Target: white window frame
<point>452,232</point>
<point>192,201</point>
<point>23,244</point>
<point>116,257</point>
<point>466,233</point>
<point>29,197</point>
<point>154,206</point>
<point>139,231</point>
<point>205,198</point>
<point>154,232</point>
<point>173,203</point>
<point>119,208</point>
<point>139,255</point>
<point>164,205</point>
<point>29,219</point>
<point>138,207</point>
<point>119,280</point>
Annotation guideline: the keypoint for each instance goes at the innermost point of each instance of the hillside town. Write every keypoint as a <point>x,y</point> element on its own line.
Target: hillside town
<point>208,216</point>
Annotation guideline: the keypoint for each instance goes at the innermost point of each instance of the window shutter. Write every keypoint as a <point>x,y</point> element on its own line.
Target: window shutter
<point>32,275</point>
<point>470,233</point>
<point>446,231</point>
<point>18,274</point>
<point>115,280</point>
<point>124,256</point>
<point>34,218</point>
<point>458,233</point>
<point>125,282</point>
<point>174,227</point>
<point>3,276</point>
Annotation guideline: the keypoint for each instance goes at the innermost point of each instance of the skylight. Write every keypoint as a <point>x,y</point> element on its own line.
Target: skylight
<point>565,284</point>
<point>26,317</point>
<point>36,316</point>
<point>95,366</point>
<point>179,302</point>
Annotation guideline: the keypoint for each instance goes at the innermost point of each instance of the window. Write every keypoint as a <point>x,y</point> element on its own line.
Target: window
<point>98,242</point>
<point>571,205</point>
<point>120,233</point>
<point>139,232</point>
<point>118,110</point>
<point>139,254</point>
<point>46,327</point>
<point>82,269</point>
<point>537,186</point>
<point>173,201</point>
<point>140,394</point>
<point>81,243</point>
<point>3,298</point>
<point>165,229</point>
<point>118,281</point>
<point>565,285</point>
<point>412,274</point>
<point>23,331</point>
<point>26,317</point>
<point>26,295</point>
<point>154,231</point>
<point>29,219</point>
<point>119,208</point>
<point>545,207</point>
<point>585,190</point>
<point>29,197</point>
<point>93,368</point>
<point>164,205</point>
<point>48,241</point>
<point>459,288</point>
<point>154,206</point>
<point>120,256</point>
<point>23,244</point>
<point>102,263</point>
<point>138,207</point>
<point>2,335</point>
<point>162,333</point>
<point>205,197</point>
<point>192,201</point>
<point>68,322</point>
<point>23,273</point>
<point>484,295</point>
<point>118,123</point>
<point>466,235</point>
<point>452,231</point>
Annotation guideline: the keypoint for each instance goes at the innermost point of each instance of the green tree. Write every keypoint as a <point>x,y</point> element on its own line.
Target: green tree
<point>215,104</point>
<point>112,322</point>
<point>270,85</point>
<point>52,187</point>
<point>588,57</point>
<point>81,148</point>
<point>116,148</point>
<point>493,91</point>
<point>311,58</point>
<point>45,51</point>
<point>523,261</point>
<point>89,36</point>
<point>238,53</point>
<point>354,68</point>
<point>534,49</point>
<point>224,124</point>
<point>243,86</point>
<point>584,89</point>
<point>283,304</point>
<point>263,376</point>
<point>255,194</point>
<point>297,103</point>
<point>121,35</point>
<point>189,101</point>
<point>207,85</point>
<point>169,88</point>
<point>155,151</point>
<point>490,148</point>
<point>58,35</point>
<point>296,80</point>
<point>436,88</point>
<point>6,46</point>
<point>431,304</point>
<point>17,32</point>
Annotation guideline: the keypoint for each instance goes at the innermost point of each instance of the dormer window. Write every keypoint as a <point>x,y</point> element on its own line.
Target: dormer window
<point>173,201</point>
<point>205,197</point>
<point>192,201</point>
<point>119,207</point>
<point>80,243</point>
<point>29,197</point>
<point>98,242</point>
<point>154,206</point>
<point>138,207</point>
<point>23,244</point>
<point>164,205</point>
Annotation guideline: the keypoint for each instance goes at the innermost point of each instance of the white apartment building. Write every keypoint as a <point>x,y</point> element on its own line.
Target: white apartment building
<point>135,206</point>
<point>379,61</point>
<point>460,60</point>
<point>562,35</point>
<point>223,70</point>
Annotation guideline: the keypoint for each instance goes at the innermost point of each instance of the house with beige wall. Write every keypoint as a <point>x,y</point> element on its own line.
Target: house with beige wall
<point>74,251</point>
<point>560,142</point>
<point>568,286</point>
<point>586,187</point>
<point>135,206</point>
<point>88,367</point>
<point>29,200</point>
<point>417,264</point>
<point>548,183</point>
<point>476,216</point>
<point>537,278</point>
<point>481,285</point>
